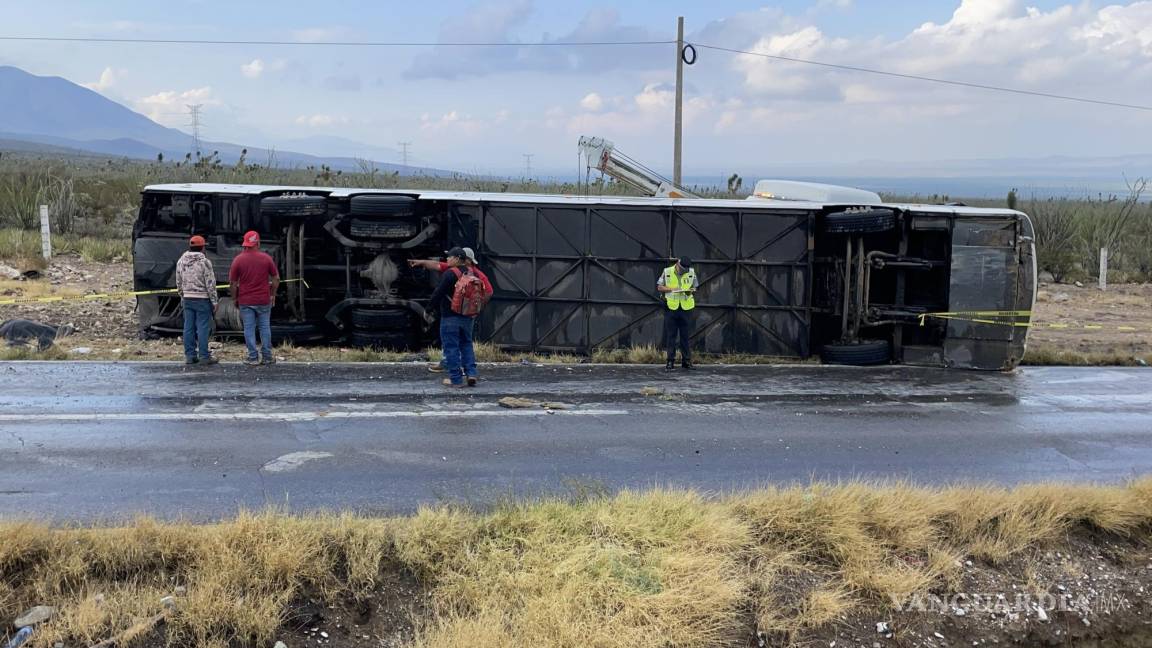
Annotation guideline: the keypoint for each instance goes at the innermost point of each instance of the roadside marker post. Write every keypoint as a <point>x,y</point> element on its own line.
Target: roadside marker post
<point>1104,268</point>
<point>45,233</point>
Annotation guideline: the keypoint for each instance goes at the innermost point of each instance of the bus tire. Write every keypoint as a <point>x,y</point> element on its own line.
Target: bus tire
<point>294,206</point>
<point>862,354</point>
<point>860,222</point>
<point>296,332</point>
<point>382,205</point>
<point>383,319</point>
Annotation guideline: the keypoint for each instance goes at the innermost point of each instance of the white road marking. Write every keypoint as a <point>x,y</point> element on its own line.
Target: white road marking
<point>293,460</point>
<point>292,416</point>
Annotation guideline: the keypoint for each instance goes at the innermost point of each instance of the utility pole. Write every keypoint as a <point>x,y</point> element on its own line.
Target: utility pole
<point>194,111</point>
<point>528,165</point>
<point>404,151</point>
<point>678,137</point>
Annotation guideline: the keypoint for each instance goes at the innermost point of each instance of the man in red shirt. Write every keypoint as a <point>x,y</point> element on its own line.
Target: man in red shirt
<point>441,266</point>
<point>254,281</point>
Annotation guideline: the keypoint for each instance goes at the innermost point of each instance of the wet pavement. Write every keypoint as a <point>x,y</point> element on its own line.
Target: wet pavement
<point>109,440</point>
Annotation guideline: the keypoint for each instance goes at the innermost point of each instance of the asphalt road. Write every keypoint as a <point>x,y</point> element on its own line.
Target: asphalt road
<point>91,441</point>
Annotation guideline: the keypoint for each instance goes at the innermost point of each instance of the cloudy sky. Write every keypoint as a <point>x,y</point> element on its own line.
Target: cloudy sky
<point>482,108</point>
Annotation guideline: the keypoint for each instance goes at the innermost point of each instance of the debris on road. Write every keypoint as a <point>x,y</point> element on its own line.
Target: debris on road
<point>515,402</point>
<point>651,391</point>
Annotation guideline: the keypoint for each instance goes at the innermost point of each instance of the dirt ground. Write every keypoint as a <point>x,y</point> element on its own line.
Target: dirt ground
<point>107,328</point>
<point>1121,307</point>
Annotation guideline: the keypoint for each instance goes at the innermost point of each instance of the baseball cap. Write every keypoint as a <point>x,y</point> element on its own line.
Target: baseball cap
<point>685,262</point>
<point>457,252</point>
<point>470,253</point>
<point>251,239</point>
<point>197,241</point>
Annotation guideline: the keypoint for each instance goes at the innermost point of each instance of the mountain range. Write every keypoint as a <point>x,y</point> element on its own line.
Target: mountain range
<point>52,114</point>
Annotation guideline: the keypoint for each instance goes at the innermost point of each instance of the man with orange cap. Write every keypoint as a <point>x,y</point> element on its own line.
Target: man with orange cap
<point>196,284</point>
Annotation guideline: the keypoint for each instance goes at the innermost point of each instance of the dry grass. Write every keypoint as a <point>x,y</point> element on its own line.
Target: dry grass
<point>22,248</point>
<point>660,568</point>
<point>30,352</point>
<point>1042,355</point>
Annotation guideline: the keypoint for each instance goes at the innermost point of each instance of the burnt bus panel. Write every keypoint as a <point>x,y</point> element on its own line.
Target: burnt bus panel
<point>563,232</point>
<point>706,235</point>
<point>619,233</point>
<point>771,332</point>
<point>580,278</point>
<point>561,326</point>
<point>624,326</point>
<point>560,279</point>
<point>632,282</point>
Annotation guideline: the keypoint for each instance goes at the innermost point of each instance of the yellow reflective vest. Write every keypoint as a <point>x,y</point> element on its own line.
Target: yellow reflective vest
<point>685,282</point>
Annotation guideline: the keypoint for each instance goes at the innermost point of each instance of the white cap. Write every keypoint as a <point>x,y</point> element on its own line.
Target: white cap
<point>468,252</point>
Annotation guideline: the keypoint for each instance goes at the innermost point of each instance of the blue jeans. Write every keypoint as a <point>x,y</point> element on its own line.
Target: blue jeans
<point>443,360</point>
<point>197,327</point>
<point>253,317</point>
<point>456,340</point>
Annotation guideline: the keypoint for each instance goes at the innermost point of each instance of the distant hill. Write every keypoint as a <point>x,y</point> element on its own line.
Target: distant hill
<point>57,108</point>
<point>52,114</point>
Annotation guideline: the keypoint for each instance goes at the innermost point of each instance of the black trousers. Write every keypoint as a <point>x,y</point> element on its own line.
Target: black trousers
<point>678,324</point>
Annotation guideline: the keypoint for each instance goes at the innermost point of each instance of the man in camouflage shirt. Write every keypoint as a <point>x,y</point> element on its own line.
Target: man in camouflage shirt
<point>196,283</point>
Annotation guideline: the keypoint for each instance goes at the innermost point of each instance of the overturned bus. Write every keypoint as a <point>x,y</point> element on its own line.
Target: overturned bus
<point>852,283</point>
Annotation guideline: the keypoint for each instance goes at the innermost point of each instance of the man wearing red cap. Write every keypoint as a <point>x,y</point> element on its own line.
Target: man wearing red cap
<point>196,284</point>
<point>254,281</point>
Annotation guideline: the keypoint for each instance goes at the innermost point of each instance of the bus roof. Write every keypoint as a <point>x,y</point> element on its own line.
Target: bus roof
<point>559,199</point>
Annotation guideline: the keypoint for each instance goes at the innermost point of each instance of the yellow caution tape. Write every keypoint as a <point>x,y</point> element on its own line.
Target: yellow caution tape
<point>113,295</point>
<point>1007,318</point>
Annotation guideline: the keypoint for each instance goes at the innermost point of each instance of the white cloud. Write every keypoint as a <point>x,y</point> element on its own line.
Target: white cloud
<point>454,123</point>
<point>321,120</point>
<point>500,21</point>
<point>1069,49</point>
<point>649,110</point>
<point>593,102</point>
<point>254,69</point>
<point>170,107</point>
<point>108,78</point>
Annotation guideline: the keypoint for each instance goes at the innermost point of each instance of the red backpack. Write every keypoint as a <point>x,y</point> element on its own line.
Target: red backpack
<point>469,298</point>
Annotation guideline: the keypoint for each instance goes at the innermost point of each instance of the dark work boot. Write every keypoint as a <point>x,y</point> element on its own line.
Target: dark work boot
<point>687,364</point>
<point>670,365</point>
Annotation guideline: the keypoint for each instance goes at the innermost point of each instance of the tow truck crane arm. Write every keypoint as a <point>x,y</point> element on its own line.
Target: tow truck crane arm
<point>603,156</point>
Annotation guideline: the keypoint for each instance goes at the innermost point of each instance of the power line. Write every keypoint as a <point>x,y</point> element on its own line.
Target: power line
<point>790,59</point>
<point>915,77</point>
<point>191,41</point>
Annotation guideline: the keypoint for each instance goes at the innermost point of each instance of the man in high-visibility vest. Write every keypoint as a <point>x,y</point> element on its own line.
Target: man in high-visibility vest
<point>678,284</point>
